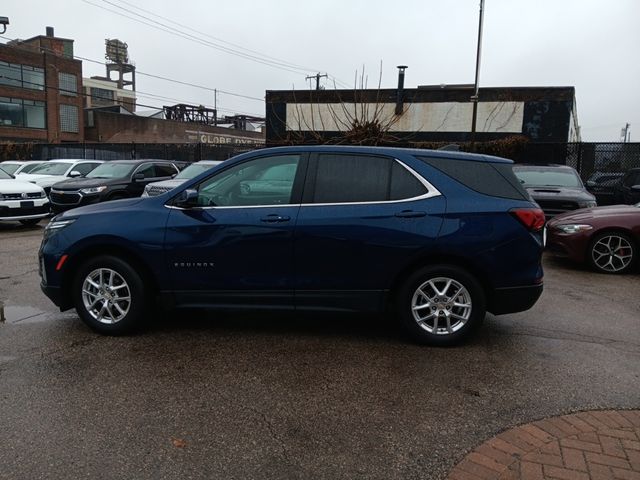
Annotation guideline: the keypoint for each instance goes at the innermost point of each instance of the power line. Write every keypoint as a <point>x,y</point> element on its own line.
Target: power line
<point>178,33</point>
<point>216,38</point>
<point>265,60</point>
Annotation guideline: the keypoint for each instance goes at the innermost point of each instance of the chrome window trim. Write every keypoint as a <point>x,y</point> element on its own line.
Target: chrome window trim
<point>431,192</point>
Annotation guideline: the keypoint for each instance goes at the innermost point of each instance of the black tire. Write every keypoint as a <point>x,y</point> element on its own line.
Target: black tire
<point>462,320</point>
<point>616,261</point>
<point>30,222</point>
<point>134,309</point>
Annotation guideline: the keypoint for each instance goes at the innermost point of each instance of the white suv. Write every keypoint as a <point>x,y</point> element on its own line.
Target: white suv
<point>55,171</point>
<point>21,201</point>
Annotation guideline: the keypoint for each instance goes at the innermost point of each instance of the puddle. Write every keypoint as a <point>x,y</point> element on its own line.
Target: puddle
<point>18,314</point>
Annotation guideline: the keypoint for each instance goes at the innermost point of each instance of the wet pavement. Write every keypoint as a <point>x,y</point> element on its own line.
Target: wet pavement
<point>201,395</point>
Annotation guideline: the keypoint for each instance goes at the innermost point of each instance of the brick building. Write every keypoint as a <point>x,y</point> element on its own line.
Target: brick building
<point>40,91</point>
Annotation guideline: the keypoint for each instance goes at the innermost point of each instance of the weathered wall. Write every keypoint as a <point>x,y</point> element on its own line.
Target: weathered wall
<point>429,114</point>
<point>121,128</point>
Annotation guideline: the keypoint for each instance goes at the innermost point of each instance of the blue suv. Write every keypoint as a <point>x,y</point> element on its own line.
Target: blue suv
<point>441,237</point>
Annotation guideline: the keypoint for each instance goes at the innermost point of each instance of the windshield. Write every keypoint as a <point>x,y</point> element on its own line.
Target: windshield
<point>51,168</point>
<point>4,175</point>
<point>111,170</point>
<point>9,167</point>
<point>546,177</point>
<point>193,171</point>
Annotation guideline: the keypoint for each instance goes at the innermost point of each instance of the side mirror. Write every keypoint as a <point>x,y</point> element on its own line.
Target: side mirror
<point>75,174</point>
<point>187,198</point>
<point>138,176</point>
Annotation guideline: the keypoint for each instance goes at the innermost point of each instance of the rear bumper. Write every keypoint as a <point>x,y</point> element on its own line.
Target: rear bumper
<point>514,299</point>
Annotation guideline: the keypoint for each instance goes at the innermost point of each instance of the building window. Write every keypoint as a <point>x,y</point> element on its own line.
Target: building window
<point>102,96</point>
<point>32,77</point>
<point>68,84</point>
<point>15,112</point>
<point>69,118</point>
<point>22,76</point>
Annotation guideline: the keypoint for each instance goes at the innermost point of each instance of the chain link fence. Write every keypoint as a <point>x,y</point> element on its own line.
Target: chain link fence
<point>587,158</point>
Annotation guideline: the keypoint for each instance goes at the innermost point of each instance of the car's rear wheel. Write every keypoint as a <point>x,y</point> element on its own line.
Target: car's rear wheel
<point>109,295</point>
<point>612,252</point>
<point>440,304</point>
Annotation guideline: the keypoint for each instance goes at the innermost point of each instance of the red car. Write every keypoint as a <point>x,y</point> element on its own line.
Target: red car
<point>606,238</point>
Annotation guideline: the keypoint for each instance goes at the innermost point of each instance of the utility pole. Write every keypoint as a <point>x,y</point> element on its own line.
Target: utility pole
<point>474,98</point>
<point>625,133</point>
<point>215,107</point>
<point>317,76</point>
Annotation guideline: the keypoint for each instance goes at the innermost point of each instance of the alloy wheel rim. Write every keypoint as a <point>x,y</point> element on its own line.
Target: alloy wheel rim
<point>441,306</point>
<point>612,253</point>
<point>106,296</point>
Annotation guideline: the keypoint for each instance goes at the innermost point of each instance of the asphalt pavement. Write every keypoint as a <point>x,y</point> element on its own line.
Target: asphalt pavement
<point>201,395</point>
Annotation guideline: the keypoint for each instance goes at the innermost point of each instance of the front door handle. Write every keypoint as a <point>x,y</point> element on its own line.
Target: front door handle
<point>274,217</point>
<point>410,214</point>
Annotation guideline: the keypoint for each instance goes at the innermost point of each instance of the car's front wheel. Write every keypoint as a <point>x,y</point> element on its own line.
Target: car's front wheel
<point>612,252</point>
<point>109,295</point>
<point>440,304</point>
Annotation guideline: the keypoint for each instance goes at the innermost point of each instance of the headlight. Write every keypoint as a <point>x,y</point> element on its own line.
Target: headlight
<point>54,226</point>
<point>573,228</point>
<point>587,204</point>
<point>58,224</point>
<point>43,194</point>
<point>93,190</point>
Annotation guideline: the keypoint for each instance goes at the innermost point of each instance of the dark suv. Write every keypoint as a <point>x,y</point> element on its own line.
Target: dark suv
<point>440,237</point>
<point>556,188</point>
<point>113,180</point>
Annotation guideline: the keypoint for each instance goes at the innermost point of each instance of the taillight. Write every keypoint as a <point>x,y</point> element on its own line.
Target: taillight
<point>532,218</point>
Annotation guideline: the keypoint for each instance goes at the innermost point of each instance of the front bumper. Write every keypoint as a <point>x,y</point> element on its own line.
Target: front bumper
<point>514,299</point>
<point>24,210</point>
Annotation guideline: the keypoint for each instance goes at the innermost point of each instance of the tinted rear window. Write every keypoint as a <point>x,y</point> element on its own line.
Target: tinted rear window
<point>495,179</point>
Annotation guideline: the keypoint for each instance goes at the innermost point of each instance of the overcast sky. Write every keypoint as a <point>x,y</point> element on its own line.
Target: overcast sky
<point>589,44</point>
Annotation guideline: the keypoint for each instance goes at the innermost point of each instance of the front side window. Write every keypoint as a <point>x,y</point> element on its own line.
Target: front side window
<point>262,181</point>
<point>148,171</point>
<point>164,171</point>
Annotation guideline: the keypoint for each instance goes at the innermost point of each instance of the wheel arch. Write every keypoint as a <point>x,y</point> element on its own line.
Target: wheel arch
<point>439,259</point>
<point>95,250</point>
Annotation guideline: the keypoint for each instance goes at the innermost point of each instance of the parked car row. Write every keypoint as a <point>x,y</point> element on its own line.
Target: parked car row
<point>67,184</point>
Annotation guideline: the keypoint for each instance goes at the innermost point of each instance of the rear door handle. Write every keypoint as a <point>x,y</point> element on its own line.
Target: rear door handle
<point>274,217</point>
<point>410,214</point>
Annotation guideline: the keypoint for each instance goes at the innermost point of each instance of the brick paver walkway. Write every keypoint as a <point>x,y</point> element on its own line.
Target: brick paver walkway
<point>596,445</point>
